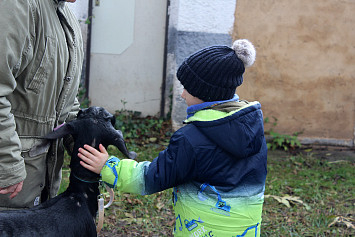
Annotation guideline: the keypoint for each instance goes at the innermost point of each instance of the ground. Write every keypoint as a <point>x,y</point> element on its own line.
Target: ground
<point>310,192</point>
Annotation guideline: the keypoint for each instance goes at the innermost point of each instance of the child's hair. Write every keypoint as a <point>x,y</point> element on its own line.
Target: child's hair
<point>214,73</point>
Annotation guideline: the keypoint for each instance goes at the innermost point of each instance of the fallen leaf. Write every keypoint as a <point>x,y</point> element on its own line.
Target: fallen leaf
<point>128,220</point>
<point>287,200</point>
<point>153,139</point>
<point>160,205</point>
<point>343,220</point>
<point>338,161</point>
<point>129,215</point>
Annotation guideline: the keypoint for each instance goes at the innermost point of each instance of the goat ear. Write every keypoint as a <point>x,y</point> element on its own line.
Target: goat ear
<point>79,112</point>
<point>60,131</point>
<point>113,121</point>
<point>121,145</point>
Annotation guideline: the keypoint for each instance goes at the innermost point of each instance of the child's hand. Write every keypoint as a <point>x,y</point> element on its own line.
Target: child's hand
<point>93,159</point>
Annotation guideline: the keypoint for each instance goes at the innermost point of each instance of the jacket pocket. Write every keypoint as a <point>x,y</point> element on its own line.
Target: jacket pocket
<point>36,173</point>
<point>32,147</point>
<point>42,72</point>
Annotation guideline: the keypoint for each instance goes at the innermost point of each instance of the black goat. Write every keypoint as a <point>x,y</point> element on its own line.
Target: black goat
<point>73,212</point>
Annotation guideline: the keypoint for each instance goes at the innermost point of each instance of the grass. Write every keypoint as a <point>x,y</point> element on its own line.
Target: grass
<point>305,195</point>
<point>135,215</point>
<point>325,190</point>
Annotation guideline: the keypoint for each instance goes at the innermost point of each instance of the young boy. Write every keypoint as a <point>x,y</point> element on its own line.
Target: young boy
<point>216,163</point>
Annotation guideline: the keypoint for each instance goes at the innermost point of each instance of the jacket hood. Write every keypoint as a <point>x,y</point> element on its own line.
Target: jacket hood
<point>239,132</point>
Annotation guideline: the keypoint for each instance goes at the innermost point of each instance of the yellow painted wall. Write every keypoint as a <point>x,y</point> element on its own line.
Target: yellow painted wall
<point>304,74</point>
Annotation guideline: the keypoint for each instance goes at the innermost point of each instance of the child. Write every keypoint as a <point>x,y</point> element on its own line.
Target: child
<point>216,163</point>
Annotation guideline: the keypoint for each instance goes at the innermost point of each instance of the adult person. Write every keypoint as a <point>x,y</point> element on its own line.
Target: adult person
<point>41,55</point>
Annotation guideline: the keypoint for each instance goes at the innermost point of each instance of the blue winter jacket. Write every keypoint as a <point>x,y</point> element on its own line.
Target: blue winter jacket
<point>217,166</point>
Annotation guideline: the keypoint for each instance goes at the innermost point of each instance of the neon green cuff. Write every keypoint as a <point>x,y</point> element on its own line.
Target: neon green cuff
<point>122,175</point>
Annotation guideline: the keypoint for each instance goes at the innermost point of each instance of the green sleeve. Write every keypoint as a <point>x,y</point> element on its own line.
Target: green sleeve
<point>125,175</point>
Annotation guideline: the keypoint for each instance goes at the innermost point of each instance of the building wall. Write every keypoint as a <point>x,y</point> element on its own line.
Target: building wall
<point>80,10</point>
<point>304,73</point>
<point>127,55</point>
<point>193,25</point>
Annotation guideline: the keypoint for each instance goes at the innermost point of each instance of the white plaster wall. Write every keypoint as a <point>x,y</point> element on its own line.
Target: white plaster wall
<point>113,26</point>
<point>80,9</point>
<point>209,16</point>
<point>132,79</point>
<point>199,23</point>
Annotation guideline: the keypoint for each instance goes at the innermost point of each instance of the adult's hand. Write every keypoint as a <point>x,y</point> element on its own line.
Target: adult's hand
<point>13,189</point>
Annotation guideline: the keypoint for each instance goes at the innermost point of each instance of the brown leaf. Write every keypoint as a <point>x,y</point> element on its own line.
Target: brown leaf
<point>340,220</point>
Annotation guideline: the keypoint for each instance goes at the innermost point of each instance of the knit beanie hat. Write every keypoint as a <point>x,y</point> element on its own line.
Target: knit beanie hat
<point>214,73</point>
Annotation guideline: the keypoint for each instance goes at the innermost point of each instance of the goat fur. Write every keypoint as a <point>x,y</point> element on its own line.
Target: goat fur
<point>73,212</point>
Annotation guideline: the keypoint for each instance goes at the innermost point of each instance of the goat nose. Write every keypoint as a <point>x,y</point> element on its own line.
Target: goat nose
<point>132,155</point>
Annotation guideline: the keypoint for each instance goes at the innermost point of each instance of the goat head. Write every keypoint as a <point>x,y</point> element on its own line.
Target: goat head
<point>93,126</point>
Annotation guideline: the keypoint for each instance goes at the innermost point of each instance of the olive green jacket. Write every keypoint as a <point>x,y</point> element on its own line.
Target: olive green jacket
<point>41,55</point>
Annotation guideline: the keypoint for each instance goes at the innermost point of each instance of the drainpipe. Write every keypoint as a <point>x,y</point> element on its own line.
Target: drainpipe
<point>162,103</point>
<point>88,50</point>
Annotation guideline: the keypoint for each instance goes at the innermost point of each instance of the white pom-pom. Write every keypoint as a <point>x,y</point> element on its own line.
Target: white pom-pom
<point>245,51</point>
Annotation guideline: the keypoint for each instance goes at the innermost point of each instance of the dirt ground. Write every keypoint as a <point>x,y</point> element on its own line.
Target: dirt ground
<point>330,153</point>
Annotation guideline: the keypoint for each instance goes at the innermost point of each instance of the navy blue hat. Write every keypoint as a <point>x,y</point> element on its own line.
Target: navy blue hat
<point>214,73</point>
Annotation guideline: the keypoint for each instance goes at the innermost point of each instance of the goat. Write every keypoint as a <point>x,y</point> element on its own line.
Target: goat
<point>73,212</point>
